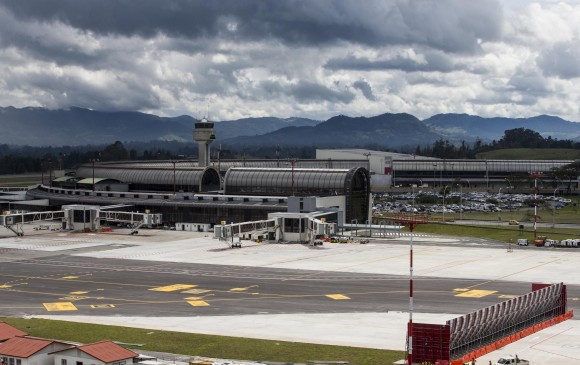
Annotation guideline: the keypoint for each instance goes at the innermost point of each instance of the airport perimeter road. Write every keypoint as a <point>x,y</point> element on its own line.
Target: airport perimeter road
<point>64,284</point>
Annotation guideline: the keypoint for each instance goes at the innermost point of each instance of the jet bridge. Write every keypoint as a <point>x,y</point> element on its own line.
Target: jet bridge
<point>14,221</point>
<point>80,218</point>
<point>133,220</point>
<point>303,228</point>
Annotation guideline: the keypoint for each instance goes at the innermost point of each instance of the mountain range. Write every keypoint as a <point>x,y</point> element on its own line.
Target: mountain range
<point>78,126</point>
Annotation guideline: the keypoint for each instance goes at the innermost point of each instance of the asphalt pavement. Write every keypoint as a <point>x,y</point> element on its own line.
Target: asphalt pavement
<point>346,294</point>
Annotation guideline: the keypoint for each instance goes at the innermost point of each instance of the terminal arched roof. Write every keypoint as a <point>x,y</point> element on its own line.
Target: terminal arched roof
<point>155,175</point>
<point>286,181</point>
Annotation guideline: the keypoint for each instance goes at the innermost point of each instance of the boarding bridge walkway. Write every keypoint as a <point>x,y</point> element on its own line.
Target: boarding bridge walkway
<point>14,221</point>
<point>135,220</point>
<point>380,230</point>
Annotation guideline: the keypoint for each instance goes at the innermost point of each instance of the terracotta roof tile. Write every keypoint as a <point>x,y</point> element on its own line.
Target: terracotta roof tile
<point>22,346</point>
<point>7,331</point>
<point>107,351</point>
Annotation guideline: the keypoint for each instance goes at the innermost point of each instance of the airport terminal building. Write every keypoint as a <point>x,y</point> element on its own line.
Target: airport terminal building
<point>389,169</point>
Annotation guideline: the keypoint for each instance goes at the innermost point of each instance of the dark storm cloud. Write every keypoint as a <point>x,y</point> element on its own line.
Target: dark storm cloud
<point>308,92</point>
<point>561,61</point>
<point>449,25</point>
<point>365,88</point>
<point>433,61</point>
<point>529,82</point>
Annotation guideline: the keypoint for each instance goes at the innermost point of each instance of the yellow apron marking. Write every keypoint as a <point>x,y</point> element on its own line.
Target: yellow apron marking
<point>460,289</point>
<point>476,293</point>
<point>242,289</point>
<point>198,303</point>
<point>5,286</point>
<point>70,277</point>
<point>73,298</point>
<point>78,292</point>
<point>195,291</point>
<point>61,306</point>
<point>337,296</point>
<point>95,306</point>
<point>175,287</point>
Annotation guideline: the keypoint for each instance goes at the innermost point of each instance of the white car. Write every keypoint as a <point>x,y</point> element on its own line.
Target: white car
<point>523,242</point>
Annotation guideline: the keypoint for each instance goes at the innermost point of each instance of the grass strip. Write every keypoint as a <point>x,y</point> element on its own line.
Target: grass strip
<point>498,233</point>
<point>203,345</point>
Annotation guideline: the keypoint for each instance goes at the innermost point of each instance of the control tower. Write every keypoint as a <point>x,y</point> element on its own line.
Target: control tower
<point>203,134</point>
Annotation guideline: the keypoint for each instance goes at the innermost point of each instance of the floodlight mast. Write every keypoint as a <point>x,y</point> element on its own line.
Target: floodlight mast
<point>535,176</point>
<point>411,220</point>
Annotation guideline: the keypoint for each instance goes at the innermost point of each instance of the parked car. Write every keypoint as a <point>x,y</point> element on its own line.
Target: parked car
<point>506,360</point>
<point>513,222</point>
<point>523,242</point>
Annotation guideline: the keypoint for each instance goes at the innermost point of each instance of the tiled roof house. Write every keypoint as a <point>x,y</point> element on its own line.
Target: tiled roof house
<point>29,351</point>
<point>7,332</point>
<point>98,353</point>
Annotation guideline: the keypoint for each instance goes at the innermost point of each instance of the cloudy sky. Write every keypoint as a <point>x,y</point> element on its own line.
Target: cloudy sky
<point>287,58</point>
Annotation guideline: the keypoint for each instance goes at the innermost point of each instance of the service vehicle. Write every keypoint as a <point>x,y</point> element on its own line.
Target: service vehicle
<point>513,222</point>
<point>508,359</point>
<point>551,243</point>
<point>522,242</point>
<point>539,241</point>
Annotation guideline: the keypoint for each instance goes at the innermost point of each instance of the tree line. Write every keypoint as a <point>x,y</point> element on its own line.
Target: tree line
<point>512,138</point>
<point>26,159</point>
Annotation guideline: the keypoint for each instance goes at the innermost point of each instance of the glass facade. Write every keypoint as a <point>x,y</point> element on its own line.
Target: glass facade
<point>440,172</point>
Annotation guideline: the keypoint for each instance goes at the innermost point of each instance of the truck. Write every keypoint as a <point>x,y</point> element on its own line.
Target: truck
<point>508,359</point>
<point>540,241</point>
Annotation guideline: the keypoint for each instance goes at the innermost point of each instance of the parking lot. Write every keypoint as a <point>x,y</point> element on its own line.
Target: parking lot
<point>463,202</point>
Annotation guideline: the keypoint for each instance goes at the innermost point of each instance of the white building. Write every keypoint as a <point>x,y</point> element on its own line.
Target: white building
<point>98,353</point>
<point>30,351</point>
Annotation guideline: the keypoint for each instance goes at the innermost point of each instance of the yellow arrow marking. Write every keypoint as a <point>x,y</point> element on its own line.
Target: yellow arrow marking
<point>507,296</point>
<point>476,293</point>
<point>78,292</point>
<point>95,306</point>
<point>175,287</point>
<point>73,298</point>
<point>460,289</point>
<point>198,303</point>
<point>242,289</point>
<point>337,296</point>
<point>70,277</point>
<point>61,306</point>
<point>195,291</point>
<point>5,286</point>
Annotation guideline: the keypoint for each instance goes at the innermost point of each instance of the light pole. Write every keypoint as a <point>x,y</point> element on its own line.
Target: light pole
<point>42,172</point>
<point>50,172</point>
<point>554,208</point>
<point>535,175</point>
<point>498,214</point>
<point>452,171</point>
<point>173,162</point>
<point>434,177</point>
<point>93,160</point>
<point>461,201</point>
<point>444,209</point>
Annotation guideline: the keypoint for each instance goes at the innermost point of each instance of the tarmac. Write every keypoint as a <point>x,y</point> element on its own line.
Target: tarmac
<point>436,257</point>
